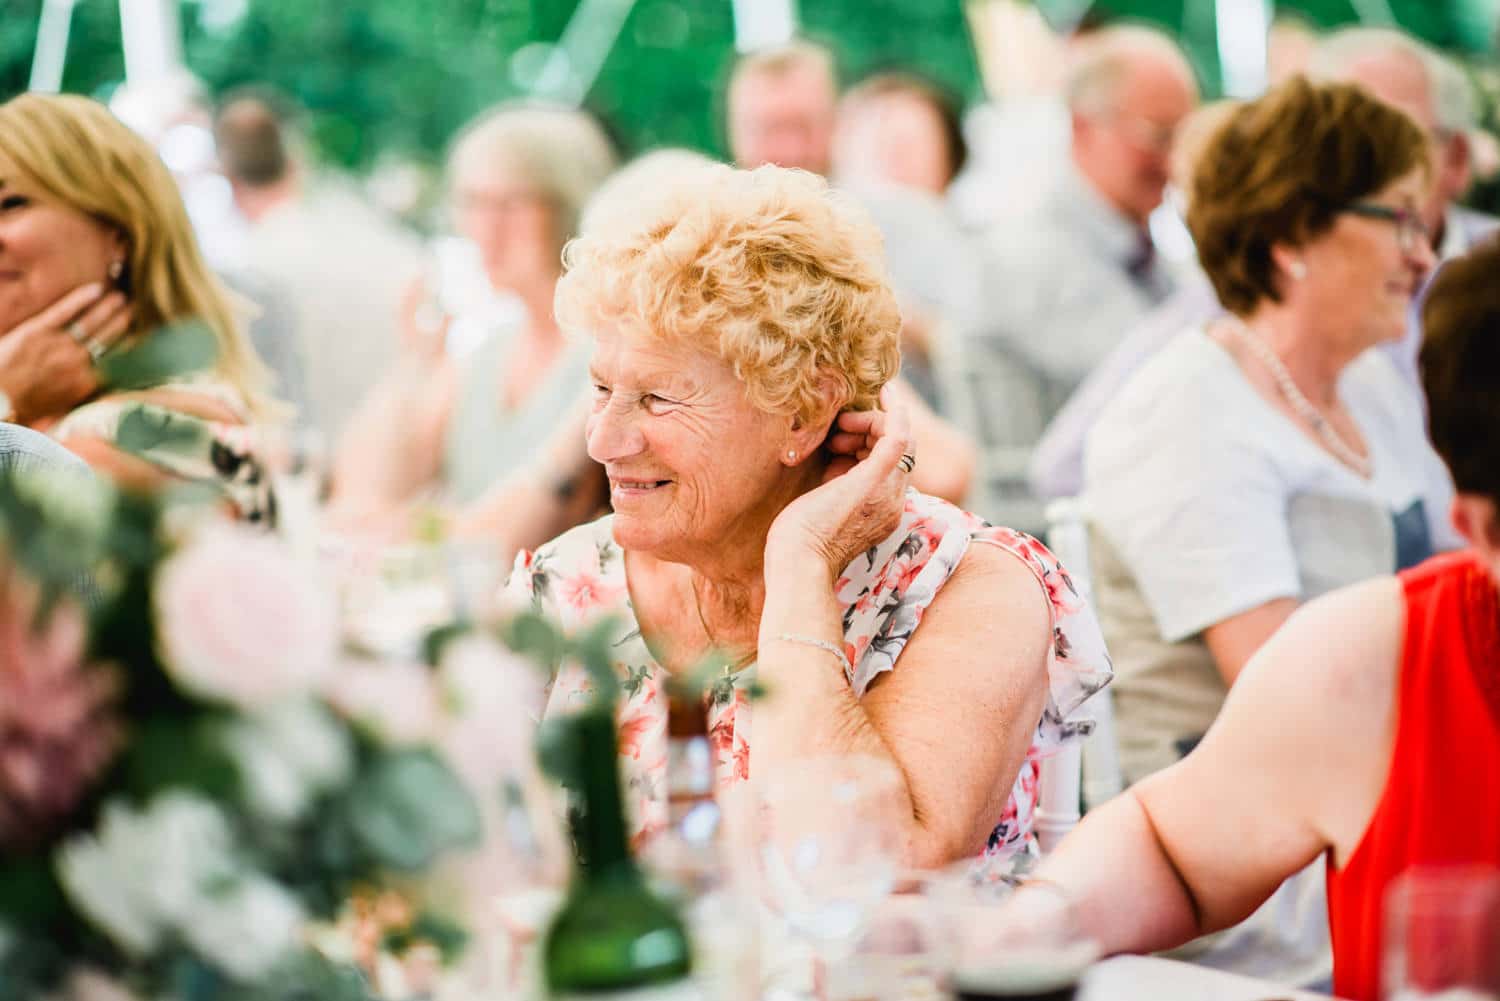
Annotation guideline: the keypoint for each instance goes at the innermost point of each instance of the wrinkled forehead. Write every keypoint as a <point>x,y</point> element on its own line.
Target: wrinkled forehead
<point>627,351</point>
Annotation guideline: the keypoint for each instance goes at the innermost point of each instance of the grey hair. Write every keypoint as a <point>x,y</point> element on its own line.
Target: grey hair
<point>560,152</point>
<point>1106,59</point>
<point>1449,91</point>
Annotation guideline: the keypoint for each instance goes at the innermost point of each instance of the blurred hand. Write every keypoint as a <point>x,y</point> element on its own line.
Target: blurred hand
<point>46,364</point>
<point>424,325</point>
<point>859,502</point>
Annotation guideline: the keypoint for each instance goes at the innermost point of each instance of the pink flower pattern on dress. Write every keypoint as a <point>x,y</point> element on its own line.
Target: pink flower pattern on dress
<point>580,577</point>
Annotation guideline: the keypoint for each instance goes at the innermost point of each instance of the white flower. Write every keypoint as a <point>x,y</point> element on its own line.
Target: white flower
<point>137,876</point>
<point>396,700</point>
<point>287,755</point>
<point>170,871</point>
<point>246,929</point>
<point>238,618</point>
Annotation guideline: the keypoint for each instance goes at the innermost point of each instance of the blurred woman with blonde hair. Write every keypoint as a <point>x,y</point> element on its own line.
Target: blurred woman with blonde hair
<point>486,373</point>
<point>96,253</point>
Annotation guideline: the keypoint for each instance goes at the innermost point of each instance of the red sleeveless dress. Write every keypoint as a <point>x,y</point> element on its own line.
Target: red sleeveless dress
<point>1441,803</point>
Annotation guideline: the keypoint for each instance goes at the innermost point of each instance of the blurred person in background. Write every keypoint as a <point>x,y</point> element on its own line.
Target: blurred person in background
<point>1366,731</point>
<point>899,129</point>
<point>1056,468</point>
<point>339,264</point>
<point>459,413</point>
<point>96,252</point>
<point>1267,456</point>
<point>1076,270</point>
<point>1289,48</point>
<point>781,108</point>
<point>1431,89</point>
<point>897,145</point>
<point>1246,468</point>
<point>743,331</point>
<point>1393,67</point>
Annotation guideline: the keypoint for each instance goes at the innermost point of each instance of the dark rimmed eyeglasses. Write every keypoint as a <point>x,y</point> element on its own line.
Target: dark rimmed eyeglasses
<point>1411,231</point>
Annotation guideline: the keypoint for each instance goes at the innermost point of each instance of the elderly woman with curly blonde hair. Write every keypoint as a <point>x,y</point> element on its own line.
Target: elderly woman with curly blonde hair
<point>743,330</point>
<point>96,253</point>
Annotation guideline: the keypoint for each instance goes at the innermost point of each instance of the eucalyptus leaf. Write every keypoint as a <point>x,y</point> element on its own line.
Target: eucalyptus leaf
<point>308,976</point>
<point>409,808</point>
<point>533,635</point>
<point>176,753</point>
<point>166,355</point>
<point>144,429</point>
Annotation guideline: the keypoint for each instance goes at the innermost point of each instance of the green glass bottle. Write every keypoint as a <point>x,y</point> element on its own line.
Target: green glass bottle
<point>613,937</point>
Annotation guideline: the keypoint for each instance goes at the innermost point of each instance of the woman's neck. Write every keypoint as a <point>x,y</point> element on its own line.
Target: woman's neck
<point>1314,358</point>
<point>537,298</point>
<point>728,578</point>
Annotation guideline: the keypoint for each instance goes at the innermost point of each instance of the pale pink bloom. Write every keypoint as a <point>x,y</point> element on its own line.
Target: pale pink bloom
<point>240,619</point>
<point>397,701</point>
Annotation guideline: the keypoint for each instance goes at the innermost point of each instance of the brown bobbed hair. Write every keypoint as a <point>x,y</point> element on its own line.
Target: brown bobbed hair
<point>1281,168</point>
<point>1461,368</point>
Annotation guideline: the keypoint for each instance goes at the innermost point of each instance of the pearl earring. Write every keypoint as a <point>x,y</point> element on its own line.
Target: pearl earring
<point>1298,269</point>
<point>792,455</point>
<point>116,268</point>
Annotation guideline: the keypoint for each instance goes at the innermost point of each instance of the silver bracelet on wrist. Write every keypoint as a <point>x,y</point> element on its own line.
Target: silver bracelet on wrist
<point>813,641</point>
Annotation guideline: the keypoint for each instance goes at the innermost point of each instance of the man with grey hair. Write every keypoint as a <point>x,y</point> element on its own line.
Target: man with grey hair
<point>1077,269</point>
<point>1434,92</point>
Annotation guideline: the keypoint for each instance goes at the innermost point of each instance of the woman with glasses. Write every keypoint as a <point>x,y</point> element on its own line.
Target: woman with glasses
<point>1268,457</point>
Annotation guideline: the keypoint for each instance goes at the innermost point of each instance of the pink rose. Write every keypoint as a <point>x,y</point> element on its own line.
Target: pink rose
<point>397,700</point>
<point>239,619</point>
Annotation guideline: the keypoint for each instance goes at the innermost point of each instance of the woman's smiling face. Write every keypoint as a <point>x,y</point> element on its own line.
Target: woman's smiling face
<point>690,460</point>
<point>47,249</point>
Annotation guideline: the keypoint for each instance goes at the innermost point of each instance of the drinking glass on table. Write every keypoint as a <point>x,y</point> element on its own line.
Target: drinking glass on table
<point>1008,938</point>
<point>1442,935</point>
<point>830,832</point>
<point>901,956</point>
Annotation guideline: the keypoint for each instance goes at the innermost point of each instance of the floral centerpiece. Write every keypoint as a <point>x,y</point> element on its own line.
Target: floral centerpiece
<point>200,798</point>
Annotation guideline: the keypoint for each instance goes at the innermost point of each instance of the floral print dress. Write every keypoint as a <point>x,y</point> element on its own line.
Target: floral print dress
<point>580,577</point>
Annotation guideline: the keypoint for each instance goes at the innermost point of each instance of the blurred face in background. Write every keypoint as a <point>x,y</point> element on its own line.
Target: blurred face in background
<point>1125,147</point>
<point>1400,80</point>
<point>47,248</point>
<point>783,117</point>
<point>513,224</point>
<point>897,138</point>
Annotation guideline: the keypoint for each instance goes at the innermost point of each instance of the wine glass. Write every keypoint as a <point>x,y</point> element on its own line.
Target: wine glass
<point>901,956</point>
<point>1442,934</point>
<point>1005,941</point>
<point>830,848</point>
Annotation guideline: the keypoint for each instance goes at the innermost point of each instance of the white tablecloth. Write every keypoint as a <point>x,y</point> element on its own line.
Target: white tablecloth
<point>1145,978</point>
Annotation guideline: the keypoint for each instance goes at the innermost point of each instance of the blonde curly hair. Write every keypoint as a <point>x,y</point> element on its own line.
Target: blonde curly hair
<point>768,269</point>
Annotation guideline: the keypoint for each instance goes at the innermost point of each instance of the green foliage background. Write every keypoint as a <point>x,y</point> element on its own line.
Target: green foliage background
<point>402,75</point>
